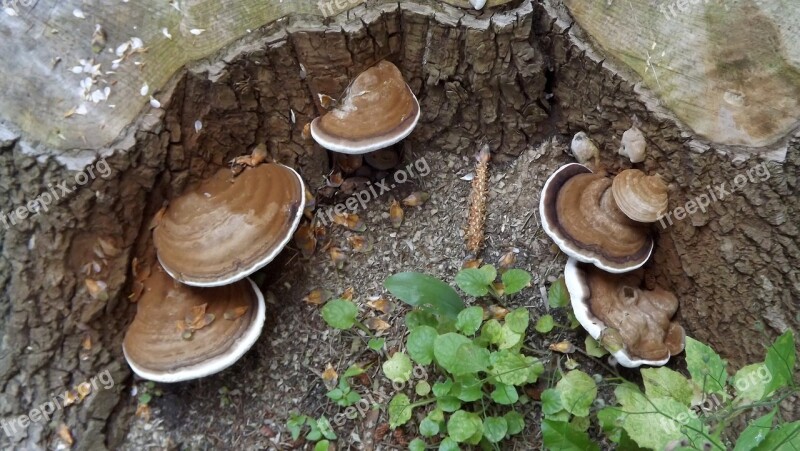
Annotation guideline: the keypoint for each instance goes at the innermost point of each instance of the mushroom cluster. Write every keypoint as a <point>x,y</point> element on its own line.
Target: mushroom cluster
<point>198,312</point>
<point>604,225</point>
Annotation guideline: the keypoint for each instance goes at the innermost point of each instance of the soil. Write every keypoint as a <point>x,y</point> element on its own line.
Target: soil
<point>247,406</point>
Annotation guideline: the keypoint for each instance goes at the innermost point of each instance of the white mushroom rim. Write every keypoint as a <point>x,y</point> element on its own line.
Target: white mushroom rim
<point>258,264</point>
<point>356,147</point>
<point>209,367</point>
<point>579,298</point>
<point>566,246</point>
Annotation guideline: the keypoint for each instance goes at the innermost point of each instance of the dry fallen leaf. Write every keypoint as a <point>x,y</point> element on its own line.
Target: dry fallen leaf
<point>350,221</point>
<point>473,263</point>
<point>416,199</point>
<point>259,154</point>
<point>380,304</point>
<point>499,288</point>
<point>563,347</point>
<point>507,260</point>
<point>360,244</point>
<point>70,398</point>
<point>330,375</point>
<point>335,179</point>
<point>396,214</point>
<point>138,289</point>
<point>196,315</point>
<point>87,342</point>
<point>305,240</point>
<point>64,434</point>
<point>235,313</point>
<point>348,294</point>
<point>317,296</point>
<point>306,134</point>
<point>143,412</point>
<point>107,247</point>
<point>376,323</point>
<point>337,256</point>
<point>497,312</point>
<point>327,102</point>
<point>97,289</point>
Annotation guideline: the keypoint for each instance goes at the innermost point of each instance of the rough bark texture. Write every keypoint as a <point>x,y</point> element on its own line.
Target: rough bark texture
<point>509,79</point>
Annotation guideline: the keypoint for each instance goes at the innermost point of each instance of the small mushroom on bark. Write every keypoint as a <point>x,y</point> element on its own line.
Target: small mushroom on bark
<point>584,149</point>
<point>633,145</point>
<point>377,111</point>
<point>641,197</point>
<point>632,322</point>
<point>223,230</point>
<point>580,214</point>
<point>182,332</point>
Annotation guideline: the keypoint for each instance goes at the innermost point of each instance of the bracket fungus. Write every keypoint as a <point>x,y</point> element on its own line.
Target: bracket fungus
<point>182,332</point>
<point>378,110</point>
<point>633,145</point>
<point>634,324</point>
<point>224,229</point>
<point>580,214</point>
<point>642,197</point>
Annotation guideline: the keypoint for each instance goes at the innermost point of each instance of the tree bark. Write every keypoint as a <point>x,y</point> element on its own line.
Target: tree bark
<point>510,78</point>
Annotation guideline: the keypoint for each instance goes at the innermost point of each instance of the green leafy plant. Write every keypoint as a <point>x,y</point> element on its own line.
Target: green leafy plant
<point>317,429</point>
<point>343,314</point>
<point>344,395</point>
<point>480,364</point>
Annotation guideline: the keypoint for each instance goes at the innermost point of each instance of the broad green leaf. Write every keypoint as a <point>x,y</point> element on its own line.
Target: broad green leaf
<point>314,433</point>
<point>322,445</point>
<point>469,359</point>
<point>535,370</point>
<point>755,433</point>
<point>416,318</point>
<point>445,349</point>
<point>416,445</point>
<point>295,424</point>
<point>551,401</point>
<point>515,422</point>
<point>428,427</point>
<point>448,444</point>
<point>420,344</point>
<point>580,423</point>
<point>442,388</point>
<point>517,320</point>
<point>508,338</point>
<point>593,348</point>
<point>504,394</point>
<point>510,367</point>
<point>325,428</point>
<point>784,437</point>
<point>340,313</point>
<point>751,382</point>
<point>562,415</point>
<point>476,281</point>
<point>573,321</point>
<point>469,320</point>
<point>610,420</point>
<point>780,361</point>
<point>578,391</point>
<point>708,370</point>
<point>557,295</point>
<point>376,344</point>
<point>463,425</point>
<point>665,383</point>
<point>562,436</point>
<point>398,367</point>
<point>514,280</point>
<point>424,291</point>
<point>352,370</point>
<point>492,331</point>
<point>422,388</point>
<point>495,428</point>
<point>399,410</point>
<point>467,388</point>
<point>544,324</point>
<point>448,403</point>
<point>654,423</point>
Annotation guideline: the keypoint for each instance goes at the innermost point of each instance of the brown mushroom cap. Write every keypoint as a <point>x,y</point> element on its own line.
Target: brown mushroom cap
<point>579,213</point>
<point>617,303</point>
<point>377,111</point>
<point>641,197</point>
<point>155,346</point>
<point>224,229</point>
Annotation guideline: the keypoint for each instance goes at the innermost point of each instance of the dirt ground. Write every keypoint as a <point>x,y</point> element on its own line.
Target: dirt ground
<point>246,406</point>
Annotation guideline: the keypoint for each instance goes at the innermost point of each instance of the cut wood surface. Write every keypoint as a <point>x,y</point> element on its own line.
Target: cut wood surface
<point>730,70</point>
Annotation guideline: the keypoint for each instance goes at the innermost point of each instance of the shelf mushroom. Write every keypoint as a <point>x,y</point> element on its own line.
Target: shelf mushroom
<point>225,229</point>
<point>378,110</point>
<point>580,214</point>
<point>633,323</point>
<point>182,332</point>
<point>642,197</point>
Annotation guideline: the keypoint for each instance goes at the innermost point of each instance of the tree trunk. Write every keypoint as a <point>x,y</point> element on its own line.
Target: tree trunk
<point>511,78</point>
